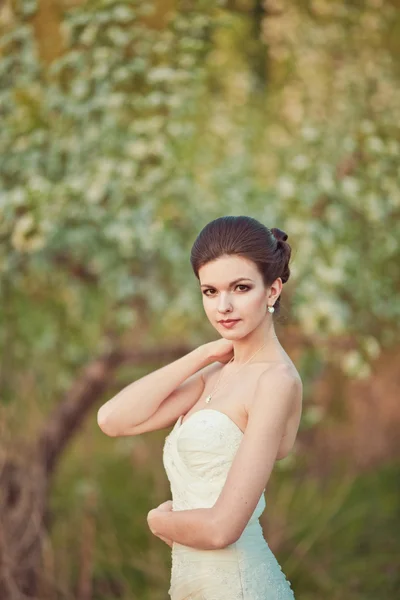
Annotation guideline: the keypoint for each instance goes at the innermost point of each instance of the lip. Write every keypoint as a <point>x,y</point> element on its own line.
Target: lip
<point>229,323</point>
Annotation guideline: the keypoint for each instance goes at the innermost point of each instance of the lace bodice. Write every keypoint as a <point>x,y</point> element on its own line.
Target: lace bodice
<point>197,456</point>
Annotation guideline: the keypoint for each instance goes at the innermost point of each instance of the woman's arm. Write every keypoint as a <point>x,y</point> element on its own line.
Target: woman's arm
<point>195,527</point>
<point>141,399</point>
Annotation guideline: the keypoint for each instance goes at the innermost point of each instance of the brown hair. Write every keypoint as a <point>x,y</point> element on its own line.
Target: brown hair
<point>246,237</point>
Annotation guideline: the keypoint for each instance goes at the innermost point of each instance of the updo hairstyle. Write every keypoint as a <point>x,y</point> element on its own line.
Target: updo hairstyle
<point>246,237</point>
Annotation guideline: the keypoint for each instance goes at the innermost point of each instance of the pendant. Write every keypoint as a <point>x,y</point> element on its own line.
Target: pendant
<point>208,399</point>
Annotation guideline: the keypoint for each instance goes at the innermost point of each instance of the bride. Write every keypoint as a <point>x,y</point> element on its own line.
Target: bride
<point>235,407</point>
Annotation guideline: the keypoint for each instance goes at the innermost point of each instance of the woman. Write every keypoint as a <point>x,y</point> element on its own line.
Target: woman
<point>235,406</point>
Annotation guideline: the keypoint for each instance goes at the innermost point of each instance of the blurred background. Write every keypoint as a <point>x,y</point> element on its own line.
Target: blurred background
<point>126,126</point>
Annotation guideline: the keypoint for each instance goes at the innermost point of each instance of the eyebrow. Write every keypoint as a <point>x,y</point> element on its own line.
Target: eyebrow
<point>231,283</point>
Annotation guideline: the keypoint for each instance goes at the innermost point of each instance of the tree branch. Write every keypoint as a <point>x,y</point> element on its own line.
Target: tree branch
<point>85,392</point>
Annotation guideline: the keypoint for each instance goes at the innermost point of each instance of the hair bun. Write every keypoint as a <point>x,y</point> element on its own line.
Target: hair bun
<point>279,234</point>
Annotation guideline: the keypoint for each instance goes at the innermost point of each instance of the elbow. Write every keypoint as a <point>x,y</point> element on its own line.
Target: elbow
<point>223,540</point>
<point>222,534</point>
<point>104,423</point>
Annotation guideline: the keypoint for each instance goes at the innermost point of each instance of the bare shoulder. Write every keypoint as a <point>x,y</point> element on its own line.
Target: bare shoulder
<point>277,381</point>
<point>284,372</point>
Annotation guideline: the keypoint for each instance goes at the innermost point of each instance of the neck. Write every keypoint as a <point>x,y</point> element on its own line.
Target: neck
<point>244,348</point>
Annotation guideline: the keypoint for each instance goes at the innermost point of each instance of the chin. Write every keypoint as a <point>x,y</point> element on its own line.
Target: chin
<point>229,333</point>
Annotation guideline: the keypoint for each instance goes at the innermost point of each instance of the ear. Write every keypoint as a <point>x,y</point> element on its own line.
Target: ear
<point>275,289</point>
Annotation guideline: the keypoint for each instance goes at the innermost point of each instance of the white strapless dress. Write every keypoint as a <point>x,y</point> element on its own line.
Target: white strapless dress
<point>197,456</point>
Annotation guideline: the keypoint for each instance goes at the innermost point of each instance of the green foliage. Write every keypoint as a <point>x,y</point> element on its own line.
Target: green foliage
<point>118,154</point>
<point>94,209</point>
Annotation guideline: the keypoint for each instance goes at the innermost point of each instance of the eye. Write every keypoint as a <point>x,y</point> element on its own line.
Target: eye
<point>240,285</point>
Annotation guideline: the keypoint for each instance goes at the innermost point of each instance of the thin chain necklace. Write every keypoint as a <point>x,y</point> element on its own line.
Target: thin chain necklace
<point>208,399</point>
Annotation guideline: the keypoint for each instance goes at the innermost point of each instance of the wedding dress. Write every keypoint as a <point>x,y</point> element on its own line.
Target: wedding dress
<point>197,455</point>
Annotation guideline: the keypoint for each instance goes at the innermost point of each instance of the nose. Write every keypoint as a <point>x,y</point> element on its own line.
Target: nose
<point>224,304</point>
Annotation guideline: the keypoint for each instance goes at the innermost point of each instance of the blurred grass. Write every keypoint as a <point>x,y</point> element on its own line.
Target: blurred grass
<point>335,538</point>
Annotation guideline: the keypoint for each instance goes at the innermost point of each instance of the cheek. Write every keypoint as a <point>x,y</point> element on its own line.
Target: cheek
<point>254,309</point>
<point>252,302</point>
<point>207,307</point>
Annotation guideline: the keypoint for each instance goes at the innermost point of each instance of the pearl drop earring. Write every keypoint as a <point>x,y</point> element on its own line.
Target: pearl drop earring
<point>271,309</point>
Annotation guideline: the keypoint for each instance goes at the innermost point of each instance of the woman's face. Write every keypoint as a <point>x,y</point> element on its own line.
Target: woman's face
<point>233,288</point>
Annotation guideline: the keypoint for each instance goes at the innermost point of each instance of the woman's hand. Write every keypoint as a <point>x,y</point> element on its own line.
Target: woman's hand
<point>152,520</point>
<point>221,350</point>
